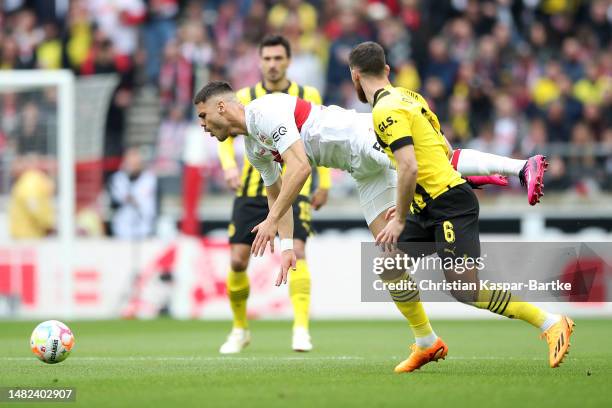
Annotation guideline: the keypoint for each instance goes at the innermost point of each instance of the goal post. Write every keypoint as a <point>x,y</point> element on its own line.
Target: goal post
<point>64,82</point>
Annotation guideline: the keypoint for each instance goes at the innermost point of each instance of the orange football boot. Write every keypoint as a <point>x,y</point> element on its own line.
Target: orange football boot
<point>558,339</point>
<point>419,357</point>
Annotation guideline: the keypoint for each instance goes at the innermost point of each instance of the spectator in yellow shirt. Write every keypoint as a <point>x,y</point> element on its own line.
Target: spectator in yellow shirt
<point>592,88</point>
<point>305,11</point>
<point>31,209</point>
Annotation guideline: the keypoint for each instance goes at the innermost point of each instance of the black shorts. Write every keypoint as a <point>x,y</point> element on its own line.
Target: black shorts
<point>250,211</point>
<point>448,225</point>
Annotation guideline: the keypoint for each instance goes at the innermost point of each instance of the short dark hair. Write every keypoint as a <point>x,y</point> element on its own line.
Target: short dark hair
<point>368,57</point>
<point>272,40</point>
<point>211,89</point>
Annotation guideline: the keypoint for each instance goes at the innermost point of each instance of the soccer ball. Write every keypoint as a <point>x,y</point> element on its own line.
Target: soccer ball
<point>52,341</point>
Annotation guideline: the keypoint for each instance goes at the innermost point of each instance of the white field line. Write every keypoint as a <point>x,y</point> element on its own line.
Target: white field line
<point>254,359</point>
<point>220,358</point>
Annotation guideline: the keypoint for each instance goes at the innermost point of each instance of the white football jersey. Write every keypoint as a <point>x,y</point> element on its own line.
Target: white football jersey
<point>333,137</point>
<point>271,131</point>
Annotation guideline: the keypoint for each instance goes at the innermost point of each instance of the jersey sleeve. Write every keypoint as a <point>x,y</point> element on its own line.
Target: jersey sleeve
<point>278,121</point>
<point>268,169</point>
<point>285,135</point>
<point>393,127</point>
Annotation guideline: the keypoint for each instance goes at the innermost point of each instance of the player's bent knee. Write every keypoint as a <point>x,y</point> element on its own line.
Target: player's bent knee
<point>239,264</point>
<point>239,257</point>
<point>465,296</point>
<point>299,247</point>
<point>464,277</point>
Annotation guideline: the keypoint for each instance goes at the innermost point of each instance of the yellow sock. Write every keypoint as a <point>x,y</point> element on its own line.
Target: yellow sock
<point>409,304</point>
<point>238,292</point>
<point>299,291</point>
<point>504,303</point>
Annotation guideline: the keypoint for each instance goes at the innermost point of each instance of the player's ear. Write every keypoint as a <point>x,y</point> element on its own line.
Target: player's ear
<point>387,70</point>
<point>220,106</point>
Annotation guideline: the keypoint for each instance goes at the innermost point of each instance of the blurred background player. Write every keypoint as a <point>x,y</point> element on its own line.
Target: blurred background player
<point>251,206</point>
<point>31,210</point>
<point>133,194</point>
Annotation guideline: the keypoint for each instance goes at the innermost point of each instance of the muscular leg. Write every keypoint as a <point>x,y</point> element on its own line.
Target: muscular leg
<point>407,301</point>
<point>465,242</point>
<point>471,162</point>
<point>484,168</point>
<point>501,302</point>
<point>238,283</point>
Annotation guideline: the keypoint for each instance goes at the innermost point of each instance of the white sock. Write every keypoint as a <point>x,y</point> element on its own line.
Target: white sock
<point>550,320</point>
<point>427,341</point>
<point>476,163</point>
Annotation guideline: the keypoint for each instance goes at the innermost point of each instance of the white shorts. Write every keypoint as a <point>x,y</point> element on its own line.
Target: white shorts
<point>344,139</point>
<point>377,193</point>
<point>373,172</point>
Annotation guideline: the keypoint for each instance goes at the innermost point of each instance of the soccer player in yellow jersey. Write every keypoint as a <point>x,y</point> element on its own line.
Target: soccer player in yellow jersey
<point>251,206</point>
<point>434,204</point>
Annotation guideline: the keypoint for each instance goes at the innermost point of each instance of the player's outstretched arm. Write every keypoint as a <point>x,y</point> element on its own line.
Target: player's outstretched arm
<point>297,171</point>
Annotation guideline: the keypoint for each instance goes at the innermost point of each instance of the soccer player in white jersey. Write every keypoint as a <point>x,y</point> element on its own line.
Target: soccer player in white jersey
<point>280,127</point>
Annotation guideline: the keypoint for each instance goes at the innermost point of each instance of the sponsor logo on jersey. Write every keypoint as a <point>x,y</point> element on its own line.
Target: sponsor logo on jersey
<point>278,132</point>
<point>386,123</point>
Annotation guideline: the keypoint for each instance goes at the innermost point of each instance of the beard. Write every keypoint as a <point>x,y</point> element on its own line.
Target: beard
<point>360,93</point>
<point>274,76</point>
<point>219,133</point>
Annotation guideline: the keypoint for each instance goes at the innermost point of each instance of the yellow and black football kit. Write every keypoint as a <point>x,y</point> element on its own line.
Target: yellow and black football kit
<point>444,210</point>
<point>251,205</point>
<point>443,219</point>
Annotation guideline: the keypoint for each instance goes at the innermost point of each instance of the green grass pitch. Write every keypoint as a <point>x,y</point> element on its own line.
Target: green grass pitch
<point>166,363</point>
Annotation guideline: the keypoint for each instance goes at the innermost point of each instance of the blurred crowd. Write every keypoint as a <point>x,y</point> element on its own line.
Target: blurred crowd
<point>510,77</point>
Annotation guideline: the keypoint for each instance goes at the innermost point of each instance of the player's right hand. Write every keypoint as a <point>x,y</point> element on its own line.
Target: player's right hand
<point>265,232</point>
<point>288,260</point>
<point>388,237</point>
<point>319,198</point>
<point>232,178</point>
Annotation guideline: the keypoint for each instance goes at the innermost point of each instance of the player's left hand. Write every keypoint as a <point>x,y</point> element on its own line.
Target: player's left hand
<point>390,213</point>
<point>266,232</point>
<point>319,198</point>
<point>387,238</point>
<point>288,260</point>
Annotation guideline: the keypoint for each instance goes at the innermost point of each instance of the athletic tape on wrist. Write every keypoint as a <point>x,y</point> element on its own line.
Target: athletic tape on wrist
<point>286,243</point>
